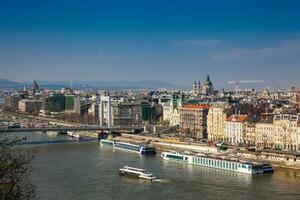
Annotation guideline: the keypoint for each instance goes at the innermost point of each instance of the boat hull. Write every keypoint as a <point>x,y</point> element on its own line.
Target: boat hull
<point>223,164</point>
<point>129,147</point>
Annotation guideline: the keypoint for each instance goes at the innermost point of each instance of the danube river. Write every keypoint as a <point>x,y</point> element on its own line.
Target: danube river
<point>89,171</point>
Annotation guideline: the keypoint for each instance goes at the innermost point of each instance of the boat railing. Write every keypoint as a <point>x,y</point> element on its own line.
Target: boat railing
<point>133,168</point>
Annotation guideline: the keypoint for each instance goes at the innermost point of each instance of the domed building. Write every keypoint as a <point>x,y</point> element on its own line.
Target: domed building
<point>207,88</point>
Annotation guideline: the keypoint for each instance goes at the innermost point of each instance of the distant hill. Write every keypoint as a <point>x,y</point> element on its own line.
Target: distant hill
<point>7,84</point>
<point>106,85</point>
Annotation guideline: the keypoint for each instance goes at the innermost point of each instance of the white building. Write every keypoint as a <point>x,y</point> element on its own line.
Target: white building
<point>171,109</point>
<point>235,129</point>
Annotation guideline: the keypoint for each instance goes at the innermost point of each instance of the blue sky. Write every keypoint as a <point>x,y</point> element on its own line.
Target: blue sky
<point>175,41</point>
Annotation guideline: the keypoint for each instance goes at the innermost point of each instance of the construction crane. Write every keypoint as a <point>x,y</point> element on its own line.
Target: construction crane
<point>236,83</point>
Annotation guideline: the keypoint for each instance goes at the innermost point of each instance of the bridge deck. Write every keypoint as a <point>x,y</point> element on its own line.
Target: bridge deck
<point>93,128</point>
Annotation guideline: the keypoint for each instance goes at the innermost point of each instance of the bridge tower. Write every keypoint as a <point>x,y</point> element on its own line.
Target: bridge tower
<point>105,100</point>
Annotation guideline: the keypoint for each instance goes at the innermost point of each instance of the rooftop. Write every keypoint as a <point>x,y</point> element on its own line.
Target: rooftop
<point>237,118</point>
<point>196,106</point>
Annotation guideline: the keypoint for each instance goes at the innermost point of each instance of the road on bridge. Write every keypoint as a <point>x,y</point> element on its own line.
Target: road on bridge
<point>86,128</point>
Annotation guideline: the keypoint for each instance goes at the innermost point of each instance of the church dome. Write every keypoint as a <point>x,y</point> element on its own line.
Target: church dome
<point>208,82</point>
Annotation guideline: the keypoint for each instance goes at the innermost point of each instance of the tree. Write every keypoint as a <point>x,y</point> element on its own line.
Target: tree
<point>15,170</point>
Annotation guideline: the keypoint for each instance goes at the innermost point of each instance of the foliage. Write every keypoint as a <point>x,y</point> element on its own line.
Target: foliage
<point>15,169</point>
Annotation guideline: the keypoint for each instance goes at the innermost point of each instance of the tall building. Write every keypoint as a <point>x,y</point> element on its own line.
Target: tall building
<point>12,101</point>
<point>216,123</point>
<point>235,129</point>
<point>72,103</point>
<point>193,120</point>
<point>53,103</point>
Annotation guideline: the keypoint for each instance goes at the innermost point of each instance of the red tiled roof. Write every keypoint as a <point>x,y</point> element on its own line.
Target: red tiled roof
<point>196,106</point>
<point>237,118</point>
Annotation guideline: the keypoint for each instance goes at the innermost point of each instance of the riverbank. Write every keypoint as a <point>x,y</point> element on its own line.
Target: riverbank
<point>166,144</point>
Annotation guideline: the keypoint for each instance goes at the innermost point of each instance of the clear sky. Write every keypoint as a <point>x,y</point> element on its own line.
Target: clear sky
<point>178,41</point>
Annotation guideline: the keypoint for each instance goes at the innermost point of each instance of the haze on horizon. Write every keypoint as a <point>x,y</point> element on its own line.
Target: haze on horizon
<point>174,41</point>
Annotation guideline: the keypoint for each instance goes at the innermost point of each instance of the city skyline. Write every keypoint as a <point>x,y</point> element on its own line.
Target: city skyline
<point>178,43</point>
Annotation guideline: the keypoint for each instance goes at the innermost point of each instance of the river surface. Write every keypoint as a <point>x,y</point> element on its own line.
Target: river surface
<point>85,170</point>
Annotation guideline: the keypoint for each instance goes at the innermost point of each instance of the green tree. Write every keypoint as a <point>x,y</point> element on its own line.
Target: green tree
<point>15,170</point>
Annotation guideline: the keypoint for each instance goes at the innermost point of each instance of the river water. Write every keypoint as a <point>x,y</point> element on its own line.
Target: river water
<point>89,171</point>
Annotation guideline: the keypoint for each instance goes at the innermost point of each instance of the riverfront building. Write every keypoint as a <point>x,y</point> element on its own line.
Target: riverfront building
<point>286,132</point>
<point>193,120</point>
<point>171,109</point>
<point>235,129</point>
<point>264,133</point>
<point>250,134</point>
<point>216,123</point>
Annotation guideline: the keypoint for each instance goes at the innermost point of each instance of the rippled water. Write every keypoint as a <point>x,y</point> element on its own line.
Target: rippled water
<point>88,171</point>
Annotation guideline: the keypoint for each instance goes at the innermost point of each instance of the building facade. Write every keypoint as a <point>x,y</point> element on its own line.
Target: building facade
<point>12,101</point>
<point>30,106</point>
<point>121,112</point>
<point>286,132</point>
<point>264,130</point>
<point>235,129</point>
<point>53,103</point>
<point>193,120</point>
<point>171,109</point>
<point>216,123</point>
<point>72,103</point>
<point>250,134</point>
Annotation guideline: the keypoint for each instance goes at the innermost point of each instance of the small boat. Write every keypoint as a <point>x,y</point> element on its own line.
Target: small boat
<point>51,133</point>
<point>136,173</point>
<point>74,135</point>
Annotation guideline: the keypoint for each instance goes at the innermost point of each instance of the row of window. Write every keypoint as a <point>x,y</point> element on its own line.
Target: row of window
<point>218,163</point>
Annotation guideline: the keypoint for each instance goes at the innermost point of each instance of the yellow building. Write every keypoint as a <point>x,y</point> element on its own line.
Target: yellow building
<point>250,136</point>
<point>264,134</point>
<point>286,132</point>
<point>216,123</point>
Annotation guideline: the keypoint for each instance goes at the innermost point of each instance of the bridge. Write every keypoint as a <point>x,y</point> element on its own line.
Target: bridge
<point>74,128</point>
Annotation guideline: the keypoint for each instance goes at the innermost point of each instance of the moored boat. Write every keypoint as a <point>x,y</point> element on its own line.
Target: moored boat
<point>141,149</point>
<point>220,162</point>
